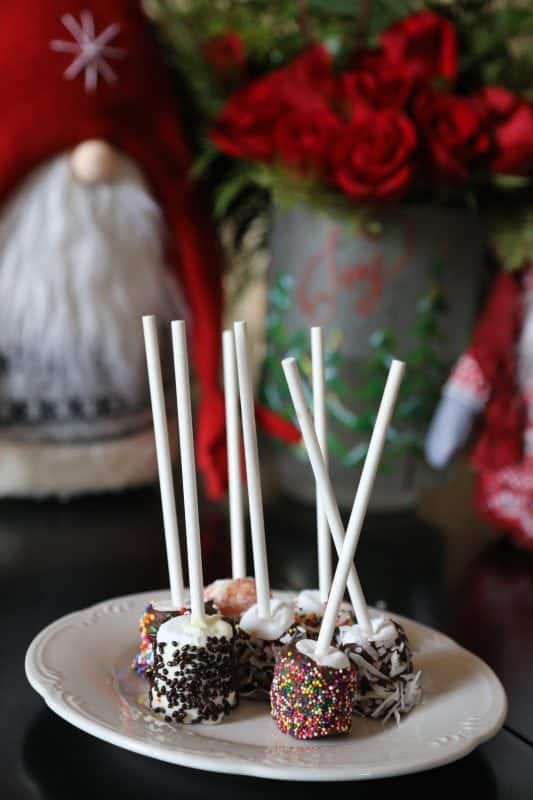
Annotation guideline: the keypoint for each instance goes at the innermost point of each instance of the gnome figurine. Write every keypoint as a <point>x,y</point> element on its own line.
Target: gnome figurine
<point>99,224</point>
<point>488,403</point>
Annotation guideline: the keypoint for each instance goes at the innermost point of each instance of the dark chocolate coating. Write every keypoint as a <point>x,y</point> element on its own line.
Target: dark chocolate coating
<point>382,695</point>
<point>256,659</point>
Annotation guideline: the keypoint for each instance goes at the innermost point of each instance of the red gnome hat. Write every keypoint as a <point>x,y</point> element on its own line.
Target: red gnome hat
<point>72,71</point>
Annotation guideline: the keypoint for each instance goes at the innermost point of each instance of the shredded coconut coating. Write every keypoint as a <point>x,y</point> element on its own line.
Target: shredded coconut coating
<point>389,687</point>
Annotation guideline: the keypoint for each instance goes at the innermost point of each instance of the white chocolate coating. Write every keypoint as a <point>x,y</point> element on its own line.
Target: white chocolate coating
<point>333,658</point>
<point>383,632</point>
<point>281,618</point>
<point>184,631</point>
<point>309,602</point>
<point>192,676</point>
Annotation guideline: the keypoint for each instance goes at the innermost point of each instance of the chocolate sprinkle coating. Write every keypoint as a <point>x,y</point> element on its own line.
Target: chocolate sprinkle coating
<point>256,659</point>
<point>190,683</point>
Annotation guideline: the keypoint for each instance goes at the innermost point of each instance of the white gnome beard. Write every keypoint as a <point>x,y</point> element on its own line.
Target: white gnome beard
<point>525,345</point>
<point>79,266</point>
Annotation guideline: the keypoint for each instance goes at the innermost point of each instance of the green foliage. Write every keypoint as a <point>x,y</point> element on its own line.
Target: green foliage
<point>492,36</point>
<point>495,37</point>
<point>418,396</point>
<point>511,237</point>
<point>285,190</point>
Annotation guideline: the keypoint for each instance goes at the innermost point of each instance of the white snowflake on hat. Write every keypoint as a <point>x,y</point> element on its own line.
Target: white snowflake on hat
<point>91,50</point>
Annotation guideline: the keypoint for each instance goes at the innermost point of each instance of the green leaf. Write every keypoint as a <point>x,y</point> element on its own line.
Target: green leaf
<point>511,236</point>
<point>204,161</point>
<point>340,413</point>
<point>227,193</point>
<point>336,386</point>
<point>344,8</point>
<point>512,181</point>
<point>381,339</point>
<point>356,456</point>
<point>371,390</point>
<point>336,446</point>
<point>513,20</point>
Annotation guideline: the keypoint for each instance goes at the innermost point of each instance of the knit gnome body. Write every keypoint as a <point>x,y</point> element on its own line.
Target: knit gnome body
<point>99,224</point>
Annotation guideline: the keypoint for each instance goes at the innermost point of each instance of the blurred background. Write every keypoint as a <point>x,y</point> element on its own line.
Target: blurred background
<point>361,166</point>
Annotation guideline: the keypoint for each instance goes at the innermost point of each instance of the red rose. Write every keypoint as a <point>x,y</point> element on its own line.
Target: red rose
<point>509,120</point>
<point>245,126</point>
<point>425,43</point>
<point>453,132</point>
<point>303,137</point>
<point>495,102</point>
<point>375,83</point>
<point>224,54</point>
<point>313,69</point>
<point>373,157</point>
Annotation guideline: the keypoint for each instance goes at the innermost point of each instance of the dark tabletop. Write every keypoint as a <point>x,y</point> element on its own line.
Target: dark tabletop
<point>58,557</point>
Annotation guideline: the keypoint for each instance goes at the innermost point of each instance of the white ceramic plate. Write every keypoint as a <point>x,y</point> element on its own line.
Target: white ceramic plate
<point>80,665</point>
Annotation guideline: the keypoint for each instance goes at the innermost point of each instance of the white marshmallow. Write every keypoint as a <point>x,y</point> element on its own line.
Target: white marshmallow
<point>271,628</point>
<point>332,658</point>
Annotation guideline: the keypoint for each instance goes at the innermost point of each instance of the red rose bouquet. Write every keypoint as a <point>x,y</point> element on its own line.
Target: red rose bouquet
<point>385,124</point>
<point>358,105</point>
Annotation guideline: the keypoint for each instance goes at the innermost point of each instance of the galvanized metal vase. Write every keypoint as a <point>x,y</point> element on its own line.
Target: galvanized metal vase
<point>404,284</point>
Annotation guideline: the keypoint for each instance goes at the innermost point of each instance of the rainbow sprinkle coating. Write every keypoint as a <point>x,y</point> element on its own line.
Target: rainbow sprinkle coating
<point>148,626</point>
<point>309,701</point>
<point>312,621</point>
<point>150,622</point>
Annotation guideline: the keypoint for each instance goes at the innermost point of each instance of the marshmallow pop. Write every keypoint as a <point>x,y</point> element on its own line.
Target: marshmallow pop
<point>153,616</point>
<point>192,679</point>
<point>268,624</point>
<point>311,603</point>
<point>314,685</point>
<point>388,687</point>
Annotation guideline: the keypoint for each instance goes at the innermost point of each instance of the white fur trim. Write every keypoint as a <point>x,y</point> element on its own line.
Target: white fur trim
<point>40,470</point>
<point>525,343</point>
<point>467,383</point>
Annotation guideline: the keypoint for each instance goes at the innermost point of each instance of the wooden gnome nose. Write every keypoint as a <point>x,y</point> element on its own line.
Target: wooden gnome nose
<point>94,161</point>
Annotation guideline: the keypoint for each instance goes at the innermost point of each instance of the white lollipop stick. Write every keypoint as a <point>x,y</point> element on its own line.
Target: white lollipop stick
<point>251,457</point>
<point>188,469</point>
<point>319,414</point>
<point>362,498</point>
<point>320,471</point>
<point>231,397</point>
<point>164,462</point>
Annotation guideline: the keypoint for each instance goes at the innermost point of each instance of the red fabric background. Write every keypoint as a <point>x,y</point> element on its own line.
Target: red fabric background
<point>45,114</point>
